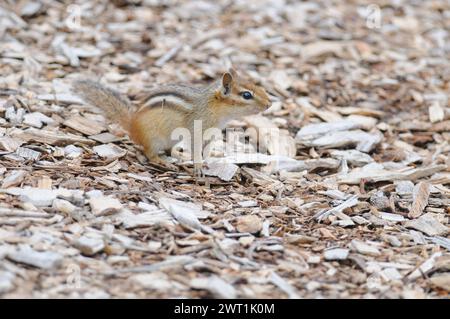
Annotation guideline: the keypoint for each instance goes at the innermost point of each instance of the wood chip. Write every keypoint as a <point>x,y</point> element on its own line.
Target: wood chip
<point>61,98</point>
<point>89,246</point>
<point>421,194</point>
<point>44,260</point>
<point>249,224</point>
<point>84,125</point>
<point>364,141</point>
<point>105,205</point>
<point>155,217</point>
<point>377,174</point>
<point>158,281</point>
<point>6,281</point>
<point>109,151</point>
<point>425,267</point>
<point>217,286</point>
<point>185,213</point>
<point>14,178</point>
<point>9,144</point>
<point>353,157</point>
<point>436,112</point>
<point>312,131</point>
<point>225,171</point>
<point>428,225</point>
<point>35,196</point>
<point>336,254</point>
<point>441,281</point>
<point>105,138</point>
<point>350,202</point>
<point>37,119</point>
<point>28,153</point>
<point>322,48</point>
<point>271,138</point>
<point>359,125</point>
<point>284,285</point>
<point>364,248</point>
<point>49,137</point>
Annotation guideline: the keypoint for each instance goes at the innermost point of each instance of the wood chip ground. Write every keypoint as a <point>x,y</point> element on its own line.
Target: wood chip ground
<point>352,200</point>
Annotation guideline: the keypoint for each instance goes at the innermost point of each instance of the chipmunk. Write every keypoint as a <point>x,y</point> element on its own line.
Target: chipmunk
<point>173,106</point>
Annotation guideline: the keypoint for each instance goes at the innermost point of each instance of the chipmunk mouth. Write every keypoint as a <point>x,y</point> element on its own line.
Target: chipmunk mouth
<point>253,110</point>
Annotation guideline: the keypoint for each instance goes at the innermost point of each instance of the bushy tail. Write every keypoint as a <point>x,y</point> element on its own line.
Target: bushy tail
<point>117,108</point>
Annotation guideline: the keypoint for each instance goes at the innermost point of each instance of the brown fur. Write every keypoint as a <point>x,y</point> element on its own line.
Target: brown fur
<point>117,108</point>
<point>152,125</point>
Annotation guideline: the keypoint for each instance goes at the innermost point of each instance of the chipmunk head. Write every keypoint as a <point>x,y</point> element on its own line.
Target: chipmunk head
<point>239,96</point>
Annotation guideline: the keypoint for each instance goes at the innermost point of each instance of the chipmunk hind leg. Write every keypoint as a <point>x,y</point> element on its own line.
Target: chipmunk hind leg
<point>151,151</point>
<point>153,157</point>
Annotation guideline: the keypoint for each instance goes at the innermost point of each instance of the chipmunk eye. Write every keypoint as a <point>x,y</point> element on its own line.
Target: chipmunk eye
<point>247,95</point>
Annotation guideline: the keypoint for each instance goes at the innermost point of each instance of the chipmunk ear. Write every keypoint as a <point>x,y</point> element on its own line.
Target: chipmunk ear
<point>227,79</point>
<point>232,72</point>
